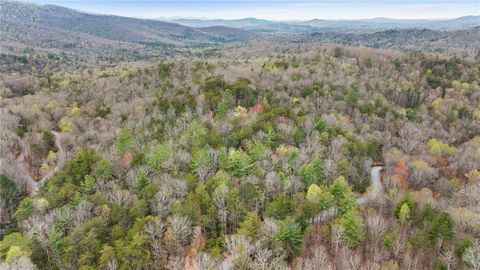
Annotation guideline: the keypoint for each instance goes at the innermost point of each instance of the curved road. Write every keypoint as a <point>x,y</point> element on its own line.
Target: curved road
<point>374,192</point>
<point>25,175</point>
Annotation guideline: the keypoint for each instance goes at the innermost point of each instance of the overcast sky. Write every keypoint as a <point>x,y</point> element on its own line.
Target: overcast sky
<point>277,9</point>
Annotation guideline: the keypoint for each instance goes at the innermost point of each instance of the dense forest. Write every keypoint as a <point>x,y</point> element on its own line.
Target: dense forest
<point>255,155</point>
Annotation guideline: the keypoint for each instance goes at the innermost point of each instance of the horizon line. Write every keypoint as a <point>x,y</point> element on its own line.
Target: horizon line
<point>212,18</point>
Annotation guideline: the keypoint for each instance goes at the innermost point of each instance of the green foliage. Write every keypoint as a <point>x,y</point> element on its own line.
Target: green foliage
<point>250,225</point>
<point>352,98</point>
<point>256,151</point>
<point>426,216</point>
<point>463,244</point>
<point>437,147</point>
<point>14,240</point>
<point>352,228</point>
<point>404,213</point>
<point>326,200</point>
<point>343,168</point>
<point>134,253</point>
<point>164,70</point>
<point>406,199</point>
<point>102,111</point>
<point>142,182</point>
<point>250,196</point>
<point>374,149</point>
<point>313,193</point>
<point>342,195</point>
<point>318,198</point>
<point>223,158</point>
<point>107,255</point>
<point>88,185</point>
<point>271,136</point>
<point>225,104</point>
<point>76,199</point>
<point>442,227</point>
<point>104,170</point>
<point>14,253</point>
<point>389,240</point>
<point>214,246</point>
<point>48,139</point>
<point>243,94</point>
<point>340,187</point>
<point>62,187</point>
<point>368,63</point>
<point>281,64</point>
<point>201,159</point>
<point>464,112</point>
<point>280,208</point>
<point>55,239</point>
<point>297,135</point>
<point>22,126</point>
<point>439,264</point>
<point>195,134</point>
<point>159,156</point>
<point>213,87</point>
<point>315,88</point>
<point>308,210</point>
<point>125,142</point>
<point>410,113</point>
<point>81,165</point>
<point>239,163</point>
<point>65,125</point>
<point>9,194</point>
<point>432,80</point>
<point>312,173</point>
<point>24,210</point>
<point>420,240</point>
<point>346,202</point>
<point>290,237</point>
<point>321,126</point>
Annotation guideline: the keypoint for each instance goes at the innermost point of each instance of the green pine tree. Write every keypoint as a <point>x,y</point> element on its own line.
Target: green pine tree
<point>352,225</point>
<point>290,236</point>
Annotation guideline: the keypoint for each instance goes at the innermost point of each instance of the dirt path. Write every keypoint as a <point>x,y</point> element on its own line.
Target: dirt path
<point>374,192</point>
<point>23,170</point>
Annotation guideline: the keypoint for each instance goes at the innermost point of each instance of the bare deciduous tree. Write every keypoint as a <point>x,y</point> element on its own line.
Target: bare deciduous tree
<point>182,228</point>
<point>319,259</point>
<point>336,237</point>
<point>348,259</point>
<point>410,137</point>
<point>472,256</point>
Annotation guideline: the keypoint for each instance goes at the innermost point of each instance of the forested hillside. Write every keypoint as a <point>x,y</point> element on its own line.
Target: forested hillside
<point>203,163</point>
<point>57,29</point>
<point>462,43</point>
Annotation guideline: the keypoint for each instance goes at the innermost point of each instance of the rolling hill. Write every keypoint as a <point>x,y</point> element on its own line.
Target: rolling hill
<point>317,25</point>
<point>54,27</point>
<point>451,42</point>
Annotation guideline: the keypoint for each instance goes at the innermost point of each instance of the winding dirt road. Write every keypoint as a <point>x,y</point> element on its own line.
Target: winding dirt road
<point>23,170</point>
<point>374,192</point>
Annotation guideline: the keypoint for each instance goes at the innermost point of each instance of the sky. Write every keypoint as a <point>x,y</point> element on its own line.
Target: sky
<point>276,9</point>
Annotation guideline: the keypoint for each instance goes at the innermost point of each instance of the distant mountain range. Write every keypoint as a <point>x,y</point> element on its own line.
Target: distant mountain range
<point>50,26</point>
<point>55,29</point>
<point>316,25</point>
